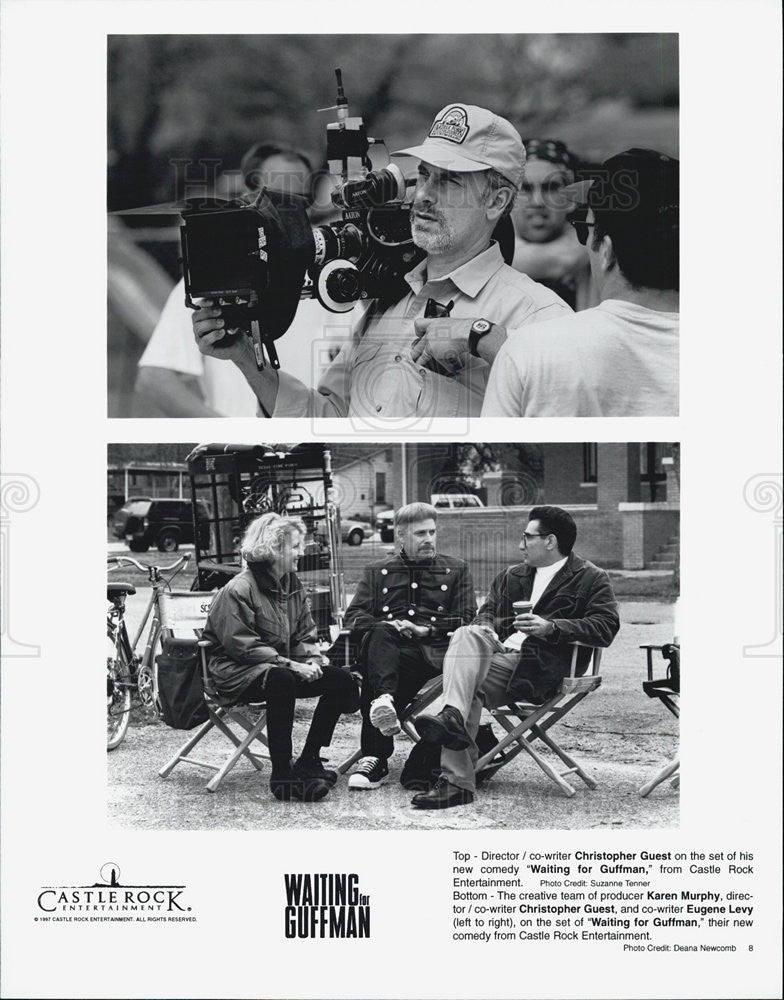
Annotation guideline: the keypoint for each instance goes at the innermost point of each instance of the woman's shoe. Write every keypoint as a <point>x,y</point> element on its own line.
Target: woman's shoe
<point>291,786</point>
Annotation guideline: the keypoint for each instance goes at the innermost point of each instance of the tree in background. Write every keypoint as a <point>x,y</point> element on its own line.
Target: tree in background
<point>201,96</point>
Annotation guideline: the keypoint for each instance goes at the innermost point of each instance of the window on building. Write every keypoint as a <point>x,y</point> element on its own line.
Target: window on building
<point>389,456</point>
<point>652,473</point>
<point>589,463</point>
<point>381,487</point>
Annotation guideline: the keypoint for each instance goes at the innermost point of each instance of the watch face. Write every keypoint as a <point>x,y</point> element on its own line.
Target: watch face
<point>480,326</point>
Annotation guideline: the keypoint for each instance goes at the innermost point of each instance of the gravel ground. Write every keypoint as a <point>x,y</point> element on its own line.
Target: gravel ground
<point>621,737</point>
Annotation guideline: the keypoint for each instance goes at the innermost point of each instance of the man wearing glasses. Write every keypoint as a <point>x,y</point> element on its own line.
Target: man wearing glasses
<point>619,359</point>
<point>509,655</point>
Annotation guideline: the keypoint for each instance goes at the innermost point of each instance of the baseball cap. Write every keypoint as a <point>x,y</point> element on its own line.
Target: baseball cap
<point>633,187</point>
<point>466,138</point>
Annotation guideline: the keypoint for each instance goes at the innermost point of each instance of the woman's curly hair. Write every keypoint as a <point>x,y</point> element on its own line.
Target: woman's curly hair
<point>265,537</point>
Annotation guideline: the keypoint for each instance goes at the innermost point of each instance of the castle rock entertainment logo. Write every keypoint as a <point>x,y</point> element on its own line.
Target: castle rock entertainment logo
<point>452,125</point>
<point>325,906</point>
<point>110,899</point>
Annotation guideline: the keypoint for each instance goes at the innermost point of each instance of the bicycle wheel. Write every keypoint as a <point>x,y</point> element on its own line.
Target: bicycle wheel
<point>118,694</point>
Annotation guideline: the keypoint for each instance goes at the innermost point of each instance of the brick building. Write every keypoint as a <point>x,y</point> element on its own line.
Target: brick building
<point>625,498</point>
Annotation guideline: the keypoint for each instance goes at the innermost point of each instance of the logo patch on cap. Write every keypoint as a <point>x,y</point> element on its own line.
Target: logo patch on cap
<point>452,125</point>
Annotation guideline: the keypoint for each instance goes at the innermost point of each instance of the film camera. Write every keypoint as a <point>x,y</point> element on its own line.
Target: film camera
<point>257,260</point>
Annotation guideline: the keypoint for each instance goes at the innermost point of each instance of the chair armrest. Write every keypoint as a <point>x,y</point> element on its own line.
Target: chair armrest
<point>596,658</point>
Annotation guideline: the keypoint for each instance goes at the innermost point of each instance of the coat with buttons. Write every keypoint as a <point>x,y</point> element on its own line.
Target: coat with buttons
<point>438,593</point>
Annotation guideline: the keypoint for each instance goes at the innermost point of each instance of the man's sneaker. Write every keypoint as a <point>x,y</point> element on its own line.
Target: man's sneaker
<point>383,715</point>
<point>370,772</point>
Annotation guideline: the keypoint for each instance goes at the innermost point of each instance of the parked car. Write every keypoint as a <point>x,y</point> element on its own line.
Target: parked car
<point>163,522</point>
<point>455,500</point>
<point>385,522</point>
<point>351,532</point>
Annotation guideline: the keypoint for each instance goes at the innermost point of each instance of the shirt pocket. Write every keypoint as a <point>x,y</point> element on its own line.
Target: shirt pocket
<point>384,381</point>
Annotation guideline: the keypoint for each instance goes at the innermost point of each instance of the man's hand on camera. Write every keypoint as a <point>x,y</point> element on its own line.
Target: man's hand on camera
<point>445,342</point>
<point>209,326</point>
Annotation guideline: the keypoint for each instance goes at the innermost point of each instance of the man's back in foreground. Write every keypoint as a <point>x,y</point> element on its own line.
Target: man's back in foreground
<point>618,359</point>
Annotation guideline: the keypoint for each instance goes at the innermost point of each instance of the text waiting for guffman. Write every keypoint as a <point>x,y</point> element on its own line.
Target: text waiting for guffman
<point>326,906</point>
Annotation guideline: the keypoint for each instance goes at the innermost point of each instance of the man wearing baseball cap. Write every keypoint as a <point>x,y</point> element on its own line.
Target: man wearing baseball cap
<point>471,168</point>
<point>619,359</point>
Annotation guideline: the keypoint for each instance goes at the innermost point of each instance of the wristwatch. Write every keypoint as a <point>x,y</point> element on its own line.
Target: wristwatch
<point>479,328</point>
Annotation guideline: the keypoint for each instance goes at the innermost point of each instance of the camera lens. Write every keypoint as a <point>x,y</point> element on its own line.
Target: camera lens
<point>343,284</point>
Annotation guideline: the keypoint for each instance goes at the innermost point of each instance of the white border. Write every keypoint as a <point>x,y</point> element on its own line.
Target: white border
<point>53,425</point>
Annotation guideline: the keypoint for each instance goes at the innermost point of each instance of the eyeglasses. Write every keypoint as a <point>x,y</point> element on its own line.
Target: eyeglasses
<point>581,229</point>
<point>527,537</point>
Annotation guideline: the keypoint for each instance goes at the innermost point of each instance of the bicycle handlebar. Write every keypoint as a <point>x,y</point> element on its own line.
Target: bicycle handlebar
<point>150,569</point>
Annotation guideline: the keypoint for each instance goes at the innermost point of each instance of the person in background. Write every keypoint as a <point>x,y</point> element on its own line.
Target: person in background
<point>174,378</point>
<point>546,247</point>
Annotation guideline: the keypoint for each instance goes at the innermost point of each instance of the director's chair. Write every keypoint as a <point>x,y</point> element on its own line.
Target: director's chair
<point>525,723</point>
<point>667,689</point>
<point>177,614</point>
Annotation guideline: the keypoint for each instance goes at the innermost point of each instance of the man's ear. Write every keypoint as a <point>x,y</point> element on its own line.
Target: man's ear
<point>607,253</point>
<point>497,204</point>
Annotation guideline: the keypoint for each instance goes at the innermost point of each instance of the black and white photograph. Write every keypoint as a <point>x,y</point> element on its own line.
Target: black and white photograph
<point>392,701</point>
<point>450,608</point>
<point>500,238</point>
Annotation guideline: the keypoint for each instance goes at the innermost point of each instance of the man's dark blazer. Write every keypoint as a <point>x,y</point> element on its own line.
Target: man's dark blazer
<point>438,593</point>
<point>579,600</point>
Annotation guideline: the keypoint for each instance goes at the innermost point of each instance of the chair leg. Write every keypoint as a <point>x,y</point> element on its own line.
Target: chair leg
<point>242,750</point>
<point>413,710</point>
<point>565,787</point>
<point>186,748</point>
<point>572,764</point>
<point>349,762</point>
<point>663,775</point>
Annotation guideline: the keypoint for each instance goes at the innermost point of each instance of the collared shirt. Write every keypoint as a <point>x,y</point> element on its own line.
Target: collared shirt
<point>374,375</point>
<point>617,360</point>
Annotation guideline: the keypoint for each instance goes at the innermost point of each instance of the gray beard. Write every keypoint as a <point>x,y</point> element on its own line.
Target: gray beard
<point>438,242</point>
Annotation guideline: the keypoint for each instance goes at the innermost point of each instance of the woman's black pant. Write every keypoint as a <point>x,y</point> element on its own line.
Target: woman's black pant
<point>280,687</point>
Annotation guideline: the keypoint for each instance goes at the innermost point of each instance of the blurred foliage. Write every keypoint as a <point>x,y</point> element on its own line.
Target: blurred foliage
<point>202,96</point>
<point>123,454</point>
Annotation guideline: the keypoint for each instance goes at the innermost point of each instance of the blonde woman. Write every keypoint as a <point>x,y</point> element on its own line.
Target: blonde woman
<point>264,648</point>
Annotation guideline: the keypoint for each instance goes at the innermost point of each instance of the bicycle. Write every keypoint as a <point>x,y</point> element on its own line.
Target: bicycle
<point>127,670</point>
